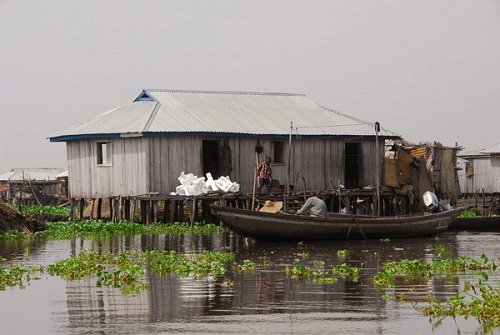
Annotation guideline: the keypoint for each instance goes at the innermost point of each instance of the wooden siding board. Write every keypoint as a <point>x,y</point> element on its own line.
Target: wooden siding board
<point>125,176</point>
<point>153,164</point>
<point>172,156</point>
<point>484,176</point>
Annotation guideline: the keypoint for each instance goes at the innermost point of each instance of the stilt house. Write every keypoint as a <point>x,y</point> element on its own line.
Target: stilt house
<point>30,186</point>
<point>480,173</point>
<point>142,148</point>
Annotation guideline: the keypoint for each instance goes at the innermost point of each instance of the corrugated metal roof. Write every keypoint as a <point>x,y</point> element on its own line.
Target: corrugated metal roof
<point>493,150</point>
<point>31,174</point>
<point>243,113</point>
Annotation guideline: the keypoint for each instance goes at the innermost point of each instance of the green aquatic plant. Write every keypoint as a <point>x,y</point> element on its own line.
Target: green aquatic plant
<point>342,253</point>
<point>197,264</point>
<point>15,235</point>
<point>246,267</point>
<point>318,272</point>
<point>348,271</point>
<point>480,300</point>
<point>90,229</point>
<point>303,254</point>
<point>39,209</point>
<point>473,213</point>
<point>122,271</point>
<point>18,274</point>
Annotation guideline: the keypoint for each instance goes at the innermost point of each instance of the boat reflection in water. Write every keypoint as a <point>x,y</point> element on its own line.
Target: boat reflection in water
<point>265,301</point>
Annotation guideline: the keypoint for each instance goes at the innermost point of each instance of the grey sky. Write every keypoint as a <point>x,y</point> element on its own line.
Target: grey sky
<point>426,69</point>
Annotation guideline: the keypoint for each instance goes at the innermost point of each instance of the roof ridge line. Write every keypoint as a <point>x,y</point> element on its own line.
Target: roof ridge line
<point>223,92</point>
<point>152,117</point>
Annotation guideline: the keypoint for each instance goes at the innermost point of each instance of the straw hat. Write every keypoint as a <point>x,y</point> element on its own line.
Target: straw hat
<point>271,206</point>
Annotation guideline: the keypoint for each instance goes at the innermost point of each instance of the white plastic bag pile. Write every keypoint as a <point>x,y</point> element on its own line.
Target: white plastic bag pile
<point>194,185</point>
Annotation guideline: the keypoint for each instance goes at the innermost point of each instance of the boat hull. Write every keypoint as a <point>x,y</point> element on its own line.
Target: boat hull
<point>280,226</point>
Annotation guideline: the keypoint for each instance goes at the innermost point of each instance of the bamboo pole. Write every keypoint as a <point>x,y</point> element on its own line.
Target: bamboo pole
<point>255,178</point>
<point>377,158</point>
<point>258,150</point>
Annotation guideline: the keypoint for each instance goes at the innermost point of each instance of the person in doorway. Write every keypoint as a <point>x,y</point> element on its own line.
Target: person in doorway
<point>265,173</point>
<point>226,160</point>
<point>313,206</point>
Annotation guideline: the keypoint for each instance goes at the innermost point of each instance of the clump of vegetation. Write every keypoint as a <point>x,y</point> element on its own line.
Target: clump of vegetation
<point>480,300</point>
<point>18,275</point>
<point>473,213</point>
<point>122,271</point>
<point>95,229</point>
<point>52,210</point>
<point>126,270</point>
<point>318,272</point>
<point>99,229</point>
<point>197,264</point>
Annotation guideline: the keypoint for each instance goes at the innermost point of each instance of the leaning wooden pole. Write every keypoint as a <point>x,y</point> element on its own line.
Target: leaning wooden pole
<point>255,178</point>
<point>258,150</point>
<point>287,187</point>
<point>377,169</point>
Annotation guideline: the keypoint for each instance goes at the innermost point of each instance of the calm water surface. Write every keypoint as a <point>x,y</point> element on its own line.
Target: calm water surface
<point>266,301</point>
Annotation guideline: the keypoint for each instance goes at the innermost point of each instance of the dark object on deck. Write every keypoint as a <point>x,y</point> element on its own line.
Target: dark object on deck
<point>280,226</point>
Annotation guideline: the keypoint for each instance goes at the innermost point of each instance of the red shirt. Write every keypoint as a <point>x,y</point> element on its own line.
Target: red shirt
<point>264,171</point>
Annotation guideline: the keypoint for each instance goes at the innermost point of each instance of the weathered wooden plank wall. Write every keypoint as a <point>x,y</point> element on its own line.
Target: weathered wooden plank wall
<point>486,176</point>
<point>126,175</point>
<point>153,164</point>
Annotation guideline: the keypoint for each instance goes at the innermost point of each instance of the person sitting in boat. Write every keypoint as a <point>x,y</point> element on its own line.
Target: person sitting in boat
<point>314,206</point>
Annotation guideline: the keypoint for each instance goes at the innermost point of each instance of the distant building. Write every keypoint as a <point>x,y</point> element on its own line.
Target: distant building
<point>31,186</point>
<point>480,171</point>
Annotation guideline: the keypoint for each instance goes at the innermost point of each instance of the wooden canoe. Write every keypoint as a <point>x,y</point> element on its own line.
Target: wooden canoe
<point>281,226</point>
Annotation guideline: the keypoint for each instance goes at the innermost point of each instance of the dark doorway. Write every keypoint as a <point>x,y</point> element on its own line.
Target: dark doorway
<point>211,158</point>
<point>352,165</point>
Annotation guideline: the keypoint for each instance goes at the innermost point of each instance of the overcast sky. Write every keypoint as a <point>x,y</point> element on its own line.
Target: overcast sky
<point>426,69</point>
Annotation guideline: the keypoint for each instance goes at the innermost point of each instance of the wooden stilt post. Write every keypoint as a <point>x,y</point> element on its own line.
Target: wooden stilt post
<point>82,208</point>
<point>92,203</point>
<point>99,209</point>
<point>132,210</point>
<point>155,211</point>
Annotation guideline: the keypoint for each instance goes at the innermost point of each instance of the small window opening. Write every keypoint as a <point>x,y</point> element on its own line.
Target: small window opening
<point>103,153</point>
<point>278,151</point>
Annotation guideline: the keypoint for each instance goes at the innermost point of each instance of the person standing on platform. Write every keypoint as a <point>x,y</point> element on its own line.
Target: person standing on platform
<point>265,173</point>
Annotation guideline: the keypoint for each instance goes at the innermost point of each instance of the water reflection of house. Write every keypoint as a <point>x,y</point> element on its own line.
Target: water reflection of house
<point>33,186</point>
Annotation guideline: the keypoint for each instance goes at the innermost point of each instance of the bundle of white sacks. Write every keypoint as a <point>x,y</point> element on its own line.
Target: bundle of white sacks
<point>194,185</point>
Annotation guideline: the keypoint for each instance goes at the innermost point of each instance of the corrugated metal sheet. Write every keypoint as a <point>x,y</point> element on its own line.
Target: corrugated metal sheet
<point>31,174</point>
<point>493,150</point>
<point>244,113</point>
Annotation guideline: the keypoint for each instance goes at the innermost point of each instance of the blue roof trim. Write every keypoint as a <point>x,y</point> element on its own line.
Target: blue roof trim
<point>80,137</point>
<point>217,134</point>
<point>144,96</point>
<point>270,136</point>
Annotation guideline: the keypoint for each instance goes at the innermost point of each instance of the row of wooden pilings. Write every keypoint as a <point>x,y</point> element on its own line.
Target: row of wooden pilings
<point>191,209</point>
<point>147,209</point>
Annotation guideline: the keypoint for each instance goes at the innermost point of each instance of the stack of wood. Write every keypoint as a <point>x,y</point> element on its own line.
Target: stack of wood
<point>12,219</point>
